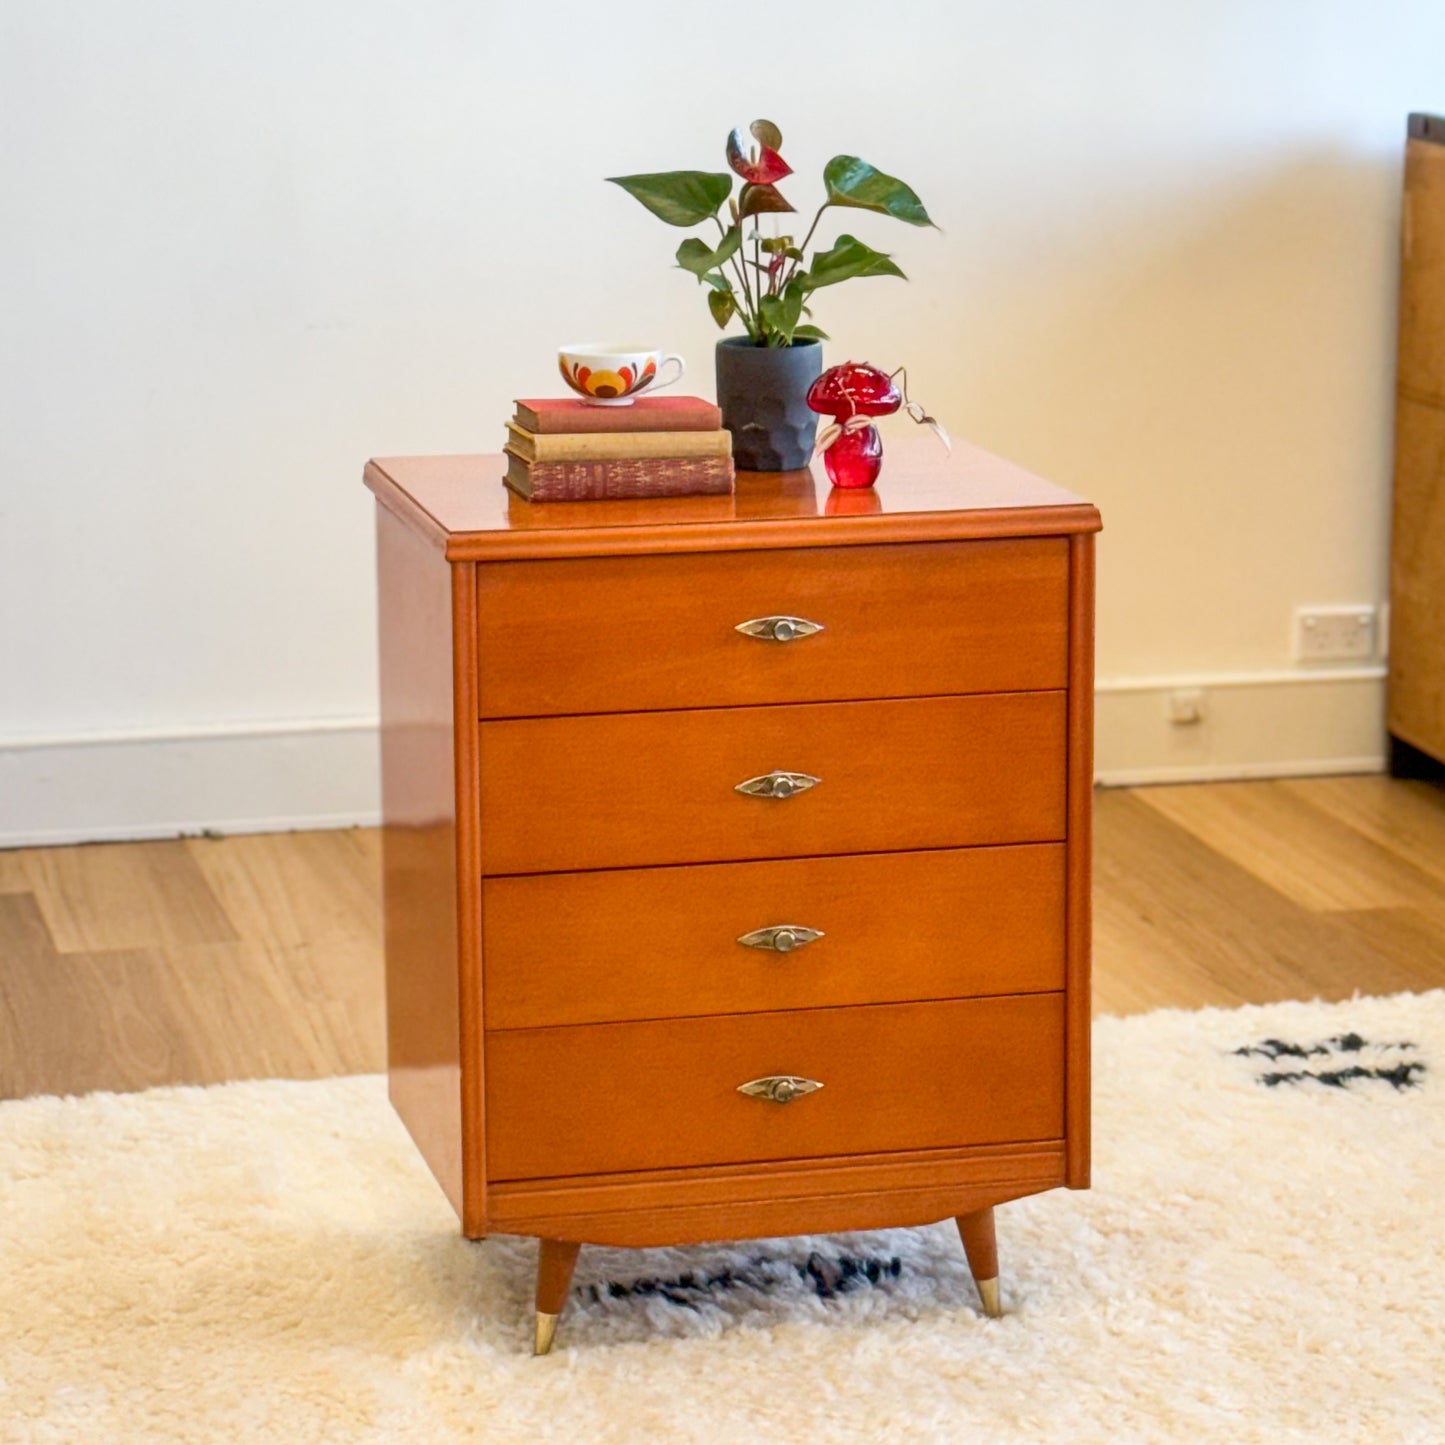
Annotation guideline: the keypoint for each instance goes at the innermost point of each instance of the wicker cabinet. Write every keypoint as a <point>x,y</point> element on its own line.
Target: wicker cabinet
<point>1416,708</point>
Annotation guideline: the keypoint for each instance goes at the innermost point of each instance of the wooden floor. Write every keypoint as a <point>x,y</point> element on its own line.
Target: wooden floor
<point>194,961</point>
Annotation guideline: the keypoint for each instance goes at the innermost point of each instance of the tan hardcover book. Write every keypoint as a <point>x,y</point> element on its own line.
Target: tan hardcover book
<point>616,446</point>
<point>595,481</point>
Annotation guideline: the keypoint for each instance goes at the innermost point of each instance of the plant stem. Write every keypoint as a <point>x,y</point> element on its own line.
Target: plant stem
<point>758,279</point>
<point>746,308</point>
<point>814,226</point>
<point>803,248</point>
<point>750,310</point>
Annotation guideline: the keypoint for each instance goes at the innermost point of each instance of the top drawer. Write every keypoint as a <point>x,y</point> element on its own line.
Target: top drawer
<point>633,634</point>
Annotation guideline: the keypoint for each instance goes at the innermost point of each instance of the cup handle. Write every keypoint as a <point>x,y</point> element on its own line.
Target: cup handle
<point>681,368</point>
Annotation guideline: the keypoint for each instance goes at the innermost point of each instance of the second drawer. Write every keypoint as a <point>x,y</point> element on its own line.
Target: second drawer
<point>633,789</point>
<point>571,948</point>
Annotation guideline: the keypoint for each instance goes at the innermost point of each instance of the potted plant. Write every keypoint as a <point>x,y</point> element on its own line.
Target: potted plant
<point>767,282</point>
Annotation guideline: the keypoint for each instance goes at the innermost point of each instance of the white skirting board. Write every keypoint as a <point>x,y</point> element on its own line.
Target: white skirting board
<point>323,773</point>
<point>246,778</point>
<point>1254,725</point>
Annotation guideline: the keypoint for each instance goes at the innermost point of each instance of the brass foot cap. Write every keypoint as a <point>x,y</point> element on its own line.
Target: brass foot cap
<point>546,1333</point>
<point>988,1293</point>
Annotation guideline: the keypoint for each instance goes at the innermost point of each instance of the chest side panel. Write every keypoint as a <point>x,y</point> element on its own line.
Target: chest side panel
<point>421,881</point>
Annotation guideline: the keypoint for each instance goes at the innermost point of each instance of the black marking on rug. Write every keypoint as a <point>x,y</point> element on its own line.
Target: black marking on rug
<point>826,1276</point>
<point>1405,1074</point>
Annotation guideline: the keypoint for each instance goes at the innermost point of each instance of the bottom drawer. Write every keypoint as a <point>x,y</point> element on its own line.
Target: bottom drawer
<point>606,1098</point>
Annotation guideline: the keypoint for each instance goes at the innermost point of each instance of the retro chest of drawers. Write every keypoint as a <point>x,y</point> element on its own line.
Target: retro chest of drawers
<point>736,852</point>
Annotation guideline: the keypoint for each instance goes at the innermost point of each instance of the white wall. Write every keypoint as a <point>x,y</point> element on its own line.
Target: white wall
<point>247,245</point>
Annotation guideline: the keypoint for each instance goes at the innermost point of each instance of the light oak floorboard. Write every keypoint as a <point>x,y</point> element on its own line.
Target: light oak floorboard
<point>295,888</point>
<point>1405,817</point>
<point>128,965</point>
<point>13,878</point>
<point>128,895</point>
<point>124,966</point>
<point>1278,833</point>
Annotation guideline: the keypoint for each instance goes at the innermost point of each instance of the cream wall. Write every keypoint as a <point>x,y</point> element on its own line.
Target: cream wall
<point>247,245</point>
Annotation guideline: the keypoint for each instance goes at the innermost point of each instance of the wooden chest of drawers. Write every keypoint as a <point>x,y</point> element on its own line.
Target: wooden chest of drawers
<point>703,930</point>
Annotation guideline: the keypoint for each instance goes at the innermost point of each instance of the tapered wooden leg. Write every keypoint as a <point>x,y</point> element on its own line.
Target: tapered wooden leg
<point>980,1244</point>
<point>555,1262</point>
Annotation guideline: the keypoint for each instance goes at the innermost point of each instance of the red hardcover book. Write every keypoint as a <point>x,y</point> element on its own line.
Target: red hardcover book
<point>613,480</point>
<point>555,414</point>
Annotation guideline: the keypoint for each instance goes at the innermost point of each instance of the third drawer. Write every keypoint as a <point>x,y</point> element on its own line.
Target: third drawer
<point>571,948</point>
<point>638,789</point>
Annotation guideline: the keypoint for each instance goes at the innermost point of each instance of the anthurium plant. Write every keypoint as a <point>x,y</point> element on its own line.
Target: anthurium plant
<point>767,281</point>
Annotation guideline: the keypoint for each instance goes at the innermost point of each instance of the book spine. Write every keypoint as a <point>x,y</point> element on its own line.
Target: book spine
<point>609,480</point>
<point>617,446</point>
<point>673,414</point>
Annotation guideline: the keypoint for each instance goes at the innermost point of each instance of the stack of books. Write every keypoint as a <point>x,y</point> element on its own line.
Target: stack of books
<point>563,450</point>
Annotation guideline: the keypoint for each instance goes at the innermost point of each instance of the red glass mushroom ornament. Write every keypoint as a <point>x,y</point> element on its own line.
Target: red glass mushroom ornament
<point>852,395</point>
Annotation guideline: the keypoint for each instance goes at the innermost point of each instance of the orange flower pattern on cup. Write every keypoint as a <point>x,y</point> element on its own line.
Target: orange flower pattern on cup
<point>609,374</point>
<point>607,385</point>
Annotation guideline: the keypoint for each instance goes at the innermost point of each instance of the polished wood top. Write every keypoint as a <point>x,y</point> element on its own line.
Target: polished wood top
<point>923,494</point>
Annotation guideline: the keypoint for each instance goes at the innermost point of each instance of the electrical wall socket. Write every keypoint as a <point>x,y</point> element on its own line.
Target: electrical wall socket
<point>1334,634</point>
<point>1184,705</point>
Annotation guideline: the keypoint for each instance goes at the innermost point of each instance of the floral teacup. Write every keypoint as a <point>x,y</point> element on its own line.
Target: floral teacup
<point>606,373</point>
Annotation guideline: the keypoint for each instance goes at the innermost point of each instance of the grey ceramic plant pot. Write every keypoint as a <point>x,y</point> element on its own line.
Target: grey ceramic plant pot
<point>762,391</point>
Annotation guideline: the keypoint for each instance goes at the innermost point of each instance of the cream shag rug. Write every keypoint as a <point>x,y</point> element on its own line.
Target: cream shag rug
<point>1260,1259</point>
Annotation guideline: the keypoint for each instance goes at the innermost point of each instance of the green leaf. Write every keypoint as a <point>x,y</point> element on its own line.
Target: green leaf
<point>792,305</point>
<point>717,281</point>
<point>770,313</point>
<point>780,314</point>
<point>681,198</point>
<point>696,256</point>
<point>810,333</point>
<point>852,182</point>
<point>722,305</point>
<point>848,258</point>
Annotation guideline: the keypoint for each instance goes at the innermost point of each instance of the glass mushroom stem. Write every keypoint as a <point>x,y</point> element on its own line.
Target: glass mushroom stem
<point>855,458</point>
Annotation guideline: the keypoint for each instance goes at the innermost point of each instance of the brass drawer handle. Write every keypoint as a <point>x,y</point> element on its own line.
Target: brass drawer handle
<point>780,937</point>
<point>779,629</point>
<point>779,1088</point>
<point>777,784</point>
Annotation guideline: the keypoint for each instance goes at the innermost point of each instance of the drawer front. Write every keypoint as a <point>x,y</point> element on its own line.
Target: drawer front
<point>605,1098</point>
<point>643,943</point>
<point>622,791</point>
<point>635,634</point>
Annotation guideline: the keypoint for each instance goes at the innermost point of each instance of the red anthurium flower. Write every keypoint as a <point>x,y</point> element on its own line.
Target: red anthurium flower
<point>757,163</point>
